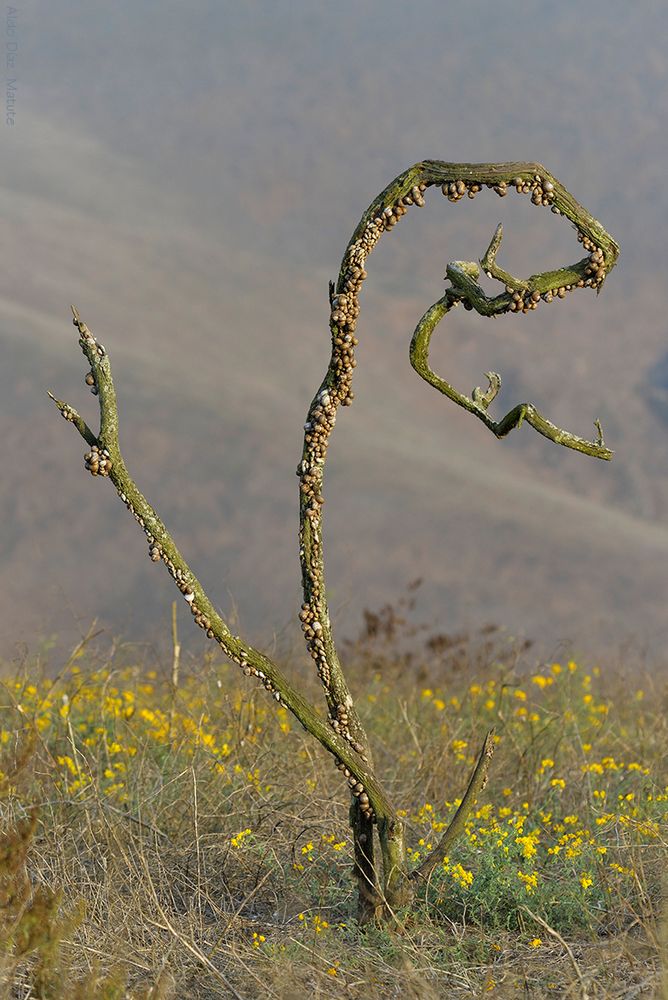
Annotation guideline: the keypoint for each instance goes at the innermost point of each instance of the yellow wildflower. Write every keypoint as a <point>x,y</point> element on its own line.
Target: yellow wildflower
<point>541,681</point>
<point>529,881</point>
<point>239,838</point>
<point>528,844</point>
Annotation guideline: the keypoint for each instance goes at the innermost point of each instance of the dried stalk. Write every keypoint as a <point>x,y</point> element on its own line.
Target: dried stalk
<point>343,734</point>
<point>176,662</point>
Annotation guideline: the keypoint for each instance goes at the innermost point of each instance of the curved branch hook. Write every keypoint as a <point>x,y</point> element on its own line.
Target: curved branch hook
<point>463,277</point>
<point>479,401</point>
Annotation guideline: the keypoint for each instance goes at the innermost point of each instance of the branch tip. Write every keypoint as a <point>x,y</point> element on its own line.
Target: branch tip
<point>490,253</point>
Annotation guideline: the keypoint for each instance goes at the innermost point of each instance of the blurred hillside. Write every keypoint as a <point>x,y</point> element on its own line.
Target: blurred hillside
<point>190,182</point>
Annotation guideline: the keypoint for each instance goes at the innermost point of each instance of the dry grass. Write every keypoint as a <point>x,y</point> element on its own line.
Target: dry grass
<point>163,845</point>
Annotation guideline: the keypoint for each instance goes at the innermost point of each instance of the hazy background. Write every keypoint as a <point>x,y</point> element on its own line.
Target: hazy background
<point>189,176</point>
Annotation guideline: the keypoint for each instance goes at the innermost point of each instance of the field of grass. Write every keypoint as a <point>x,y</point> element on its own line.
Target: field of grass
<point>170,841</point>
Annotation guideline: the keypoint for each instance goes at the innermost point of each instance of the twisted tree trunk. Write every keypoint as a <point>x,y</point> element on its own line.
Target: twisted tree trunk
<point>387,885</point>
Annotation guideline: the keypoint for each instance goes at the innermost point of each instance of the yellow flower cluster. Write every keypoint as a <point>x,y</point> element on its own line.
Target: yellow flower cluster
<point>576,800</point>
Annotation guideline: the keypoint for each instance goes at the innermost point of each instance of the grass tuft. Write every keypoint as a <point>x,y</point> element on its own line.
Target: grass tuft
<point>160,842</point>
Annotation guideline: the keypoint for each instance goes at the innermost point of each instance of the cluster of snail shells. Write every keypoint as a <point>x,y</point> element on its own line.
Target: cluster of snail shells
<point>339,724</point>
<point>98,461</point>
<point>311,561</point>
<point>588,244</point>
<point>188,594</point>
<point>311,627</point>
<point>540,189</point>
<point>523,301</point>
<point>415,197</point>
<point>313,632</point>
<point>156,553</point>
<point>226,643</point>
<point>357,788</point>
<point>66,412</point>
<point>345,306</point>
<point>455,190</point>
<point>391,214</point>
<point>249,671</point>
<point>322,415</point>
<point>321,420</point>
<point>385,220</point>
<point>596,266</point>
<point>154,550</point>
<point>345,310</point>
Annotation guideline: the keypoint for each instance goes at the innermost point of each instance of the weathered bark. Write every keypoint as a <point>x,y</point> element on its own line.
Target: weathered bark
<point>381,892</point>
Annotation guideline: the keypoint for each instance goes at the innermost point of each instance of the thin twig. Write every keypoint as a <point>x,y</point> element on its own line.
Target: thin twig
<point>176,658</point>
<point>569,951</point>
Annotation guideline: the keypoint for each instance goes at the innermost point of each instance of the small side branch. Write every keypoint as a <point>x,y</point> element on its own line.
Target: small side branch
<point>71,415</point>
<point>475,787</point>
<point>479,401</point>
